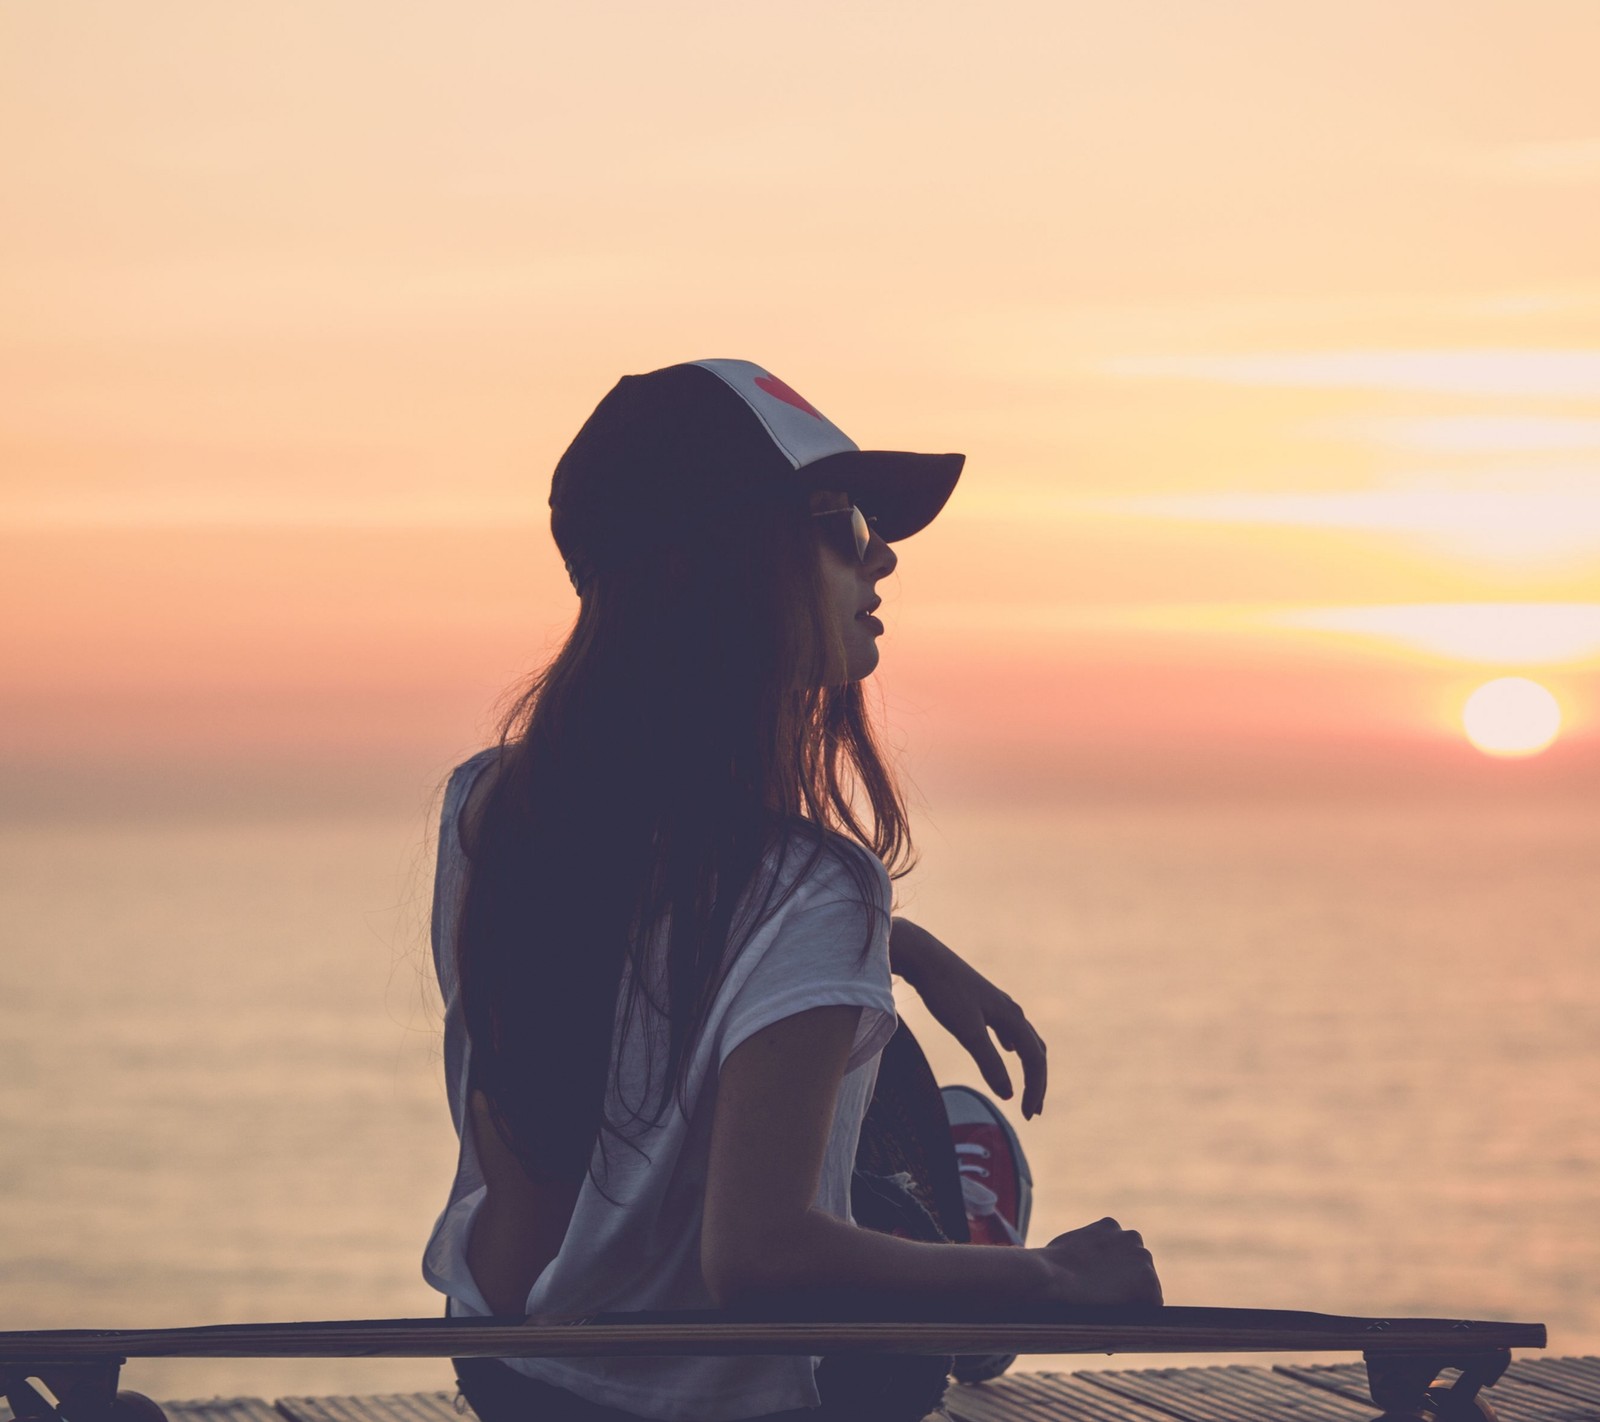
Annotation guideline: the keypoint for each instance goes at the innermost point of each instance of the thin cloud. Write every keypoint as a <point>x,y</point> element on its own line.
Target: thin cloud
<point>1481,434</point>
<point>1492,523</point>
<point>1501,634</point>
<point>1554,161</point>
<point>1494,633</point>
<point>133,512</point>
<point>1563,374</point>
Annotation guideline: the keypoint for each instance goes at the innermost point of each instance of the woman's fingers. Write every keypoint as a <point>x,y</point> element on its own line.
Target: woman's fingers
<point>1105,1263</point>
<point>991,1064</point>
<point>1035,1072</point>
<point>971,1028</point>
<point>970,1007</point>
<point>1016,1034</point>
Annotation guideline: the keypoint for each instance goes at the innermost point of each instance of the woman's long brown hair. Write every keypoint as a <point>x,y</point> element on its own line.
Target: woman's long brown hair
<point>646,776</point>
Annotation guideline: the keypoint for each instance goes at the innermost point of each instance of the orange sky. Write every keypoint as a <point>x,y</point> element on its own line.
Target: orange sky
<point>1272,334</point>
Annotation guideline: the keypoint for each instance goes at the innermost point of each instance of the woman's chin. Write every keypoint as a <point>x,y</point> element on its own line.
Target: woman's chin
<point>864,662</point>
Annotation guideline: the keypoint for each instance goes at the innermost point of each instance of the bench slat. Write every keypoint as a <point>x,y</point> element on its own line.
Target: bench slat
<point>1513,1395</point>
<point>1044,1397</point>
<point>383,1407</point>
<point>222,1409</point>
<point>1225,1394</point>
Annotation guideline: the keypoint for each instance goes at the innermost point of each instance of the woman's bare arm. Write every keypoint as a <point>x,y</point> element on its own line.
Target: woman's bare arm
<point>969,1007</point>
<point>762,1237</point>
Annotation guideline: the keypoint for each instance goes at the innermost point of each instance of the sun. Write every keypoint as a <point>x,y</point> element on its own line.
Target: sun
<point>1511,716</point>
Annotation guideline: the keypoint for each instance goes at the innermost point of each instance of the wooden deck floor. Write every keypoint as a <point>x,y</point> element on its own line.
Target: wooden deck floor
<point>1534,1390</point>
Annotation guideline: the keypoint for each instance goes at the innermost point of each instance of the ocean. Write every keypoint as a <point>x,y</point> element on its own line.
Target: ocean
<point>1335,1054</point>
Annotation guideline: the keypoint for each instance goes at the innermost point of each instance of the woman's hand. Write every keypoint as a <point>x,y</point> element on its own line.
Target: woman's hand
<point>968,1006</point>
<point>1101,1263</point>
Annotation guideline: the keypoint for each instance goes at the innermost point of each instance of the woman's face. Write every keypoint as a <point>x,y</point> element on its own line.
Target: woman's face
<point>850,591</point>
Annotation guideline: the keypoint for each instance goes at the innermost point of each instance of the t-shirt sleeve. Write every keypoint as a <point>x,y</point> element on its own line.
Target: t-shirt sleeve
<point>829,948</point>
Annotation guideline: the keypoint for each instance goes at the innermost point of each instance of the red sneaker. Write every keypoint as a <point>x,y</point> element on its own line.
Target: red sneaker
<point>995,1178</point>
<point>997,1187</point>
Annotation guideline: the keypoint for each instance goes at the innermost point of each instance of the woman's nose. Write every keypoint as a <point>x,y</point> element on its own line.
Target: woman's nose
<point>881,559</point>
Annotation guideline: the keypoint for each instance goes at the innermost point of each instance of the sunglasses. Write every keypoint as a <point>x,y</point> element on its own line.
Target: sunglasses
<point>860,530</point>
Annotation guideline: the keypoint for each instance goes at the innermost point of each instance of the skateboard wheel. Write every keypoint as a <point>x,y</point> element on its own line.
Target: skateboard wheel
<point>136,1407</point>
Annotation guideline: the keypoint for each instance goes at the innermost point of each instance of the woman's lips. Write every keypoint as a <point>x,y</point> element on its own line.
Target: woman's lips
<point>872,622</point>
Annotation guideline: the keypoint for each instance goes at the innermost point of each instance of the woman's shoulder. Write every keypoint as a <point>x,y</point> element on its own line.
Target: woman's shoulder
<point>822,937</point>
<point>468,791</point>
<point>821,865</point>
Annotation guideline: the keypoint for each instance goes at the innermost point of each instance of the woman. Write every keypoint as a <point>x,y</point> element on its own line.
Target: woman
<point>662,930</point>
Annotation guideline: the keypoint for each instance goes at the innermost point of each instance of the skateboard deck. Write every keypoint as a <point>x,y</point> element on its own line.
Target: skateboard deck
<point>1405,1356</point>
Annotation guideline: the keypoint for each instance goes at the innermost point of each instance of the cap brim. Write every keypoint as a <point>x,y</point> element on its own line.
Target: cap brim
<point>903,492</point>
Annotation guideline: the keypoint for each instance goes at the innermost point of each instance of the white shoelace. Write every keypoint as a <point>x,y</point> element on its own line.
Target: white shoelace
<point>965,1150</point>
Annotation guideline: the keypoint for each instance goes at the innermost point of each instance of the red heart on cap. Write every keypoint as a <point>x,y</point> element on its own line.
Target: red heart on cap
<point>773,386</point>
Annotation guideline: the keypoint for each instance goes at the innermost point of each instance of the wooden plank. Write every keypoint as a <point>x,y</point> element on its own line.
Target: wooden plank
<point>1576,1377</point>
<point>385,1407</point>
<point>1520,1401</point>
<point>1513,1395</point>
<point>1229,1394</point>
<point>1170,1330</point>
<point>995,1402</point>
<point>222,1409</point>
<point>1350,1379</point>
<point>1074,1395</point>
<point>1533,1390</point>
<point>209,1409</point>
<point>1288,1393</point>
<point>1027,1397</point>
<point>1043,1397</point>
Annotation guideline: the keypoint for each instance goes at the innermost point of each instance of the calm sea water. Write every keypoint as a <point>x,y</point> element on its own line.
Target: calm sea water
<point>1341,1057</point>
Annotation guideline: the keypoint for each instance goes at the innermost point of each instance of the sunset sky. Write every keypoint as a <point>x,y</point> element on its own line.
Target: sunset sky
<point>1271,332</point>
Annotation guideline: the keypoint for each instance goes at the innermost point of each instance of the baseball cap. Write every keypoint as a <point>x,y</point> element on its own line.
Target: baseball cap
<point>665,450</point>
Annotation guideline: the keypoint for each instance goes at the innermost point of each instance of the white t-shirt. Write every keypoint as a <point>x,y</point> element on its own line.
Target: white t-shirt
<point>643,1252</point>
